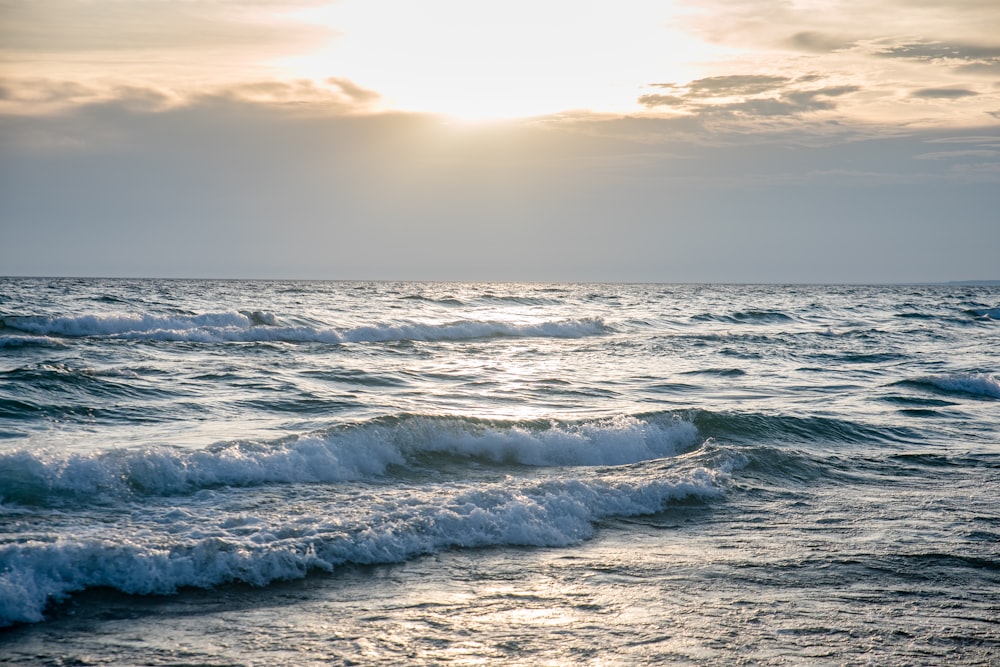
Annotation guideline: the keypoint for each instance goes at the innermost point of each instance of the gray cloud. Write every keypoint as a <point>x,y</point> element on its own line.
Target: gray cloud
<point>808,78</point>
<point>727,86</point>
<point>983,140</point>
<point>662,100</point>
<point>747,84</point>
<point>334,93</point>
<point>990,68</point>
<point>943,93</point>
<point>818,42</point>
<point>942,51</point>
<point>763,96</point>
<point>225,186</point>
<point>44,91</point>
<point>961,154</point>
<point>789,103</point>
<point>337,93</point>
<point>807,97</point>
<point>764,107</point>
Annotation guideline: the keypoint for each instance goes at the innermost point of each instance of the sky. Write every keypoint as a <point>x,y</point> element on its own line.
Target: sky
<point>815,141</point>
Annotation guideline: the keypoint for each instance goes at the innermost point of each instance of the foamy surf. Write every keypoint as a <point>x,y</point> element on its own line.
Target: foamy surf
<point>355,452</point>
<point>260,326</point>
<point>159,551</point>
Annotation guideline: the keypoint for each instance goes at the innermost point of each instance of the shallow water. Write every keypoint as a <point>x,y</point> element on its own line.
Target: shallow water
<point>238,472</point>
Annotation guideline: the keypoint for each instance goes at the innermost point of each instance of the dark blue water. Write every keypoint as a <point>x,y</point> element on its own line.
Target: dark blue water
<point>252,472</point>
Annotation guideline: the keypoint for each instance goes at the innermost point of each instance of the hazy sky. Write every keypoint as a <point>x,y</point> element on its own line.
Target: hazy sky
<point>719,140</point>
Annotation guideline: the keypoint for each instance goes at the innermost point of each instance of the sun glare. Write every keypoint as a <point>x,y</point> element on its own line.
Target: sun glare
<point>479,61</point>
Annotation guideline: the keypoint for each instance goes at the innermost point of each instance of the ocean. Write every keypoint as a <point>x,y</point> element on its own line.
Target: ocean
<point>340,473</point>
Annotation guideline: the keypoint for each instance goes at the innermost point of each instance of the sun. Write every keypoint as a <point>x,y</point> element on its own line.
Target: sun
<point>485,61</point>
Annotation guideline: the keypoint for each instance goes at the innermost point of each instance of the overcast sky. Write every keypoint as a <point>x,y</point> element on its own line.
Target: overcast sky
<point>716,141</point>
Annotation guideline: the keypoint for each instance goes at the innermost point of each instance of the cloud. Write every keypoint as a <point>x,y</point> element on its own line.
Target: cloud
<point>956,155</point>
<point>241,184</point>
<point>747,96</point>
<point>70,26</point>
<point>653,100</point>
<point>39,96</point>
<point>932,50</point>
<point>339,94</point>
<point>746,84</point>
<point>818,42</point>
<point>981,161</point>
<point>967,58</point>
<point>44,91</point>
<point>983,140</point>
<point>987,68</point>
<point>973,153</point>
<point>789,103</point>
<point>943,93</point>
<point>352,91</point>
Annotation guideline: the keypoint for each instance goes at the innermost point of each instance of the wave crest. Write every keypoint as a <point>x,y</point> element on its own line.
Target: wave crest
<point>361,451</point>
<point>262,326</point>
<point>974,384</point>
<point>985,313</point>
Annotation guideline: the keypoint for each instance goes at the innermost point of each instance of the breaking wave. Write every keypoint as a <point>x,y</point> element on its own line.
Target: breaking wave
<point>985,313</point>
<point>257,550</point>
<point>27,341</point>
<point>261,326</point>
<point>202,540</point>
<point>974,384</point>
<point>363,451</point>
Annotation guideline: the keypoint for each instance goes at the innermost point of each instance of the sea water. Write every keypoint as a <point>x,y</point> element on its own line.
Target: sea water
<point>297,473</point>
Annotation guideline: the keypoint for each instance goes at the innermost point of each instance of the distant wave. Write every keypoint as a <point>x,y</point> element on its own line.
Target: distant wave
<point>721,372</point>
<point>487,297</point>
<point>17,340</point>
<point>985,313</point>
<point>747,317</point>
<point>755,428</point>
<point>25,341</point>
<point>262,326</point>
<point>443,301</point>
<point>520,300</point>
<point>975,384</point>
<point>362,451</point>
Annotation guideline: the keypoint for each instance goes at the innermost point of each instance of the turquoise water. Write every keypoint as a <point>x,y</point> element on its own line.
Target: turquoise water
<point>258,472</point>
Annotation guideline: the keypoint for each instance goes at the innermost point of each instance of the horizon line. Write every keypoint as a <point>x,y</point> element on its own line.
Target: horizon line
<point>983,282</point>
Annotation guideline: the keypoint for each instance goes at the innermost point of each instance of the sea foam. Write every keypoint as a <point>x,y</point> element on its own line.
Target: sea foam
<point>345,453</point>
<point>261,326</point>
<point>391,526</point>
